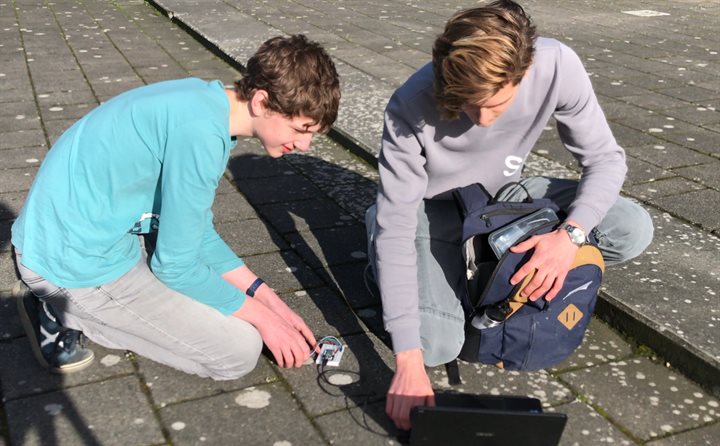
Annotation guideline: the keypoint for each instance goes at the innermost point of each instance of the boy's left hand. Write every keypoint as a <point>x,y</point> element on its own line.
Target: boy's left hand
<point>552,257</point>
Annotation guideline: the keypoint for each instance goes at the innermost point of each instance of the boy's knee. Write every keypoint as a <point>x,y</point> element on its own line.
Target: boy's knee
<point>442,344</point>
<point>240,360</point>
<point>627,234</point>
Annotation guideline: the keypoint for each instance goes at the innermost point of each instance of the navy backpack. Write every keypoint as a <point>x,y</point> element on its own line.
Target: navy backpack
<point>501,327</point>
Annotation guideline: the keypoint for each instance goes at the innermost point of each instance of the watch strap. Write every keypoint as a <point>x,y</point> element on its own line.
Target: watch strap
<point>255,285</point>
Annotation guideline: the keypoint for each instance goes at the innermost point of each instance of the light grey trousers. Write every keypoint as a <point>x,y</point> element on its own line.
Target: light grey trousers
<point>137,312</point>
<point>624,233</point>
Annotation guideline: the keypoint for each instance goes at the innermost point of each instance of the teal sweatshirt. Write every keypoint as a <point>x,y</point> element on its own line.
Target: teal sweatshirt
<point>147,160</point>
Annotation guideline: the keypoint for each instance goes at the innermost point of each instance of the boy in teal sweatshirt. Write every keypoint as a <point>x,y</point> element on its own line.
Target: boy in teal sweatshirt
<point>149,161</point>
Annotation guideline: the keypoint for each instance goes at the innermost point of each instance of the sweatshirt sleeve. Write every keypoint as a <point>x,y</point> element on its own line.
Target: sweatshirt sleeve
<point>586,134</point>
<point>215,252</point>
<point>193,162</point>
<point>403,182</point>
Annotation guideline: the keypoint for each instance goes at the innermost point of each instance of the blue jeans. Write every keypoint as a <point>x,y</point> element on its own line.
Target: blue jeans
<point>624,233</point>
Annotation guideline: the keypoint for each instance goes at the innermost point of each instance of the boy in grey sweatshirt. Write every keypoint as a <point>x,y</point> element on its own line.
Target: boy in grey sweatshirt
<point>472,116</point>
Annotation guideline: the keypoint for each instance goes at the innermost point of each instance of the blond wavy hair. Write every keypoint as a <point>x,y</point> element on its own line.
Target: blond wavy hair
<point>481,50</point>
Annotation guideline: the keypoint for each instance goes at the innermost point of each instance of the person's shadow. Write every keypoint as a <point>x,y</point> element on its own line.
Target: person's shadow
<point>318,207</point>
<point>29,418</point>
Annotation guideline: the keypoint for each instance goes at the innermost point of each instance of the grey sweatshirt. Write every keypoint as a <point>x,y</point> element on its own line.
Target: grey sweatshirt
<point>424,157</point>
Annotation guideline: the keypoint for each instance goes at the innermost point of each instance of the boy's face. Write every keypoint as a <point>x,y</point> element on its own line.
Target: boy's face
<point>486,113</point>
<point>280,134</point>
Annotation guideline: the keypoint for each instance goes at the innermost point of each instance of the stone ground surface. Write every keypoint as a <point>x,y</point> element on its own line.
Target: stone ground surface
<point>298,221</point>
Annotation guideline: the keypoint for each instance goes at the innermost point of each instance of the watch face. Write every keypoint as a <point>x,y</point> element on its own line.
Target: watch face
<point>576,234</point>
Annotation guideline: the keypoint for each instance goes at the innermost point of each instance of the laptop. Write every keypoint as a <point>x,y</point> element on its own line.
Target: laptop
<point>485,420</point>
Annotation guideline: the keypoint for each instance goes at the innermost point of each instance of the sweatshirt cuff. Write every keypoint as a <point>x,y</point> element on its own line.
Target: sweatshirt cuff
<point>405,336</point>
<point>585,216</point>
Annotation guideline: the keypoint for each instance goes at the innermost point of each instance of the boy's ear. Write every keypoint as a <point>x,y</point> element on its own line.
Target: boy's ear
<point>258,102</point>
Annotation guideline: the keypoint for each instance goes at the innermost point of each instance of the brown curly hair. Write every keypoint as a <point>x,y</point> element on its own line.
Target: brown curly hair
<point>298,76</point>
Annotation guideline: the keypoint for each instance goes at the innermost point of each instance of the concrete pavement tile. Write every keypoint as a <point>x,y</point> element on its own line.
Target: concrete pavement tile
<point>19,179</point>
<point>707,174</point>
<point>361,115</point>
<point>231,207</point>
<point>257,415</point>
<point>333,246</point>
<point>663,188</point>
<point>486,379</point>
<point>10,204</point>
<point>354,198</point>
<point>694,206</point>
<point>305,215</point>
<point>27,377</point>
<point>695,114</point>
<point>276,189</point>
<point>367,425</point>
<point>601,345</point>
<point>250,237</point>
<point>66,112</point>
<point>8,277</point>
<point>324,311</point>
<point>610,87</point>
<point>672,287</point>
<point>16,94</point>
<point>691,93</point>
<point>10,326</point>
<point>668,155</point>
<point>629,137</point>
<point>707,436</point>
<point>112,412</point>
<point>21,138</point>
<point>626,389</point>
<point>641,172</point>
<point>14,109</point>
<point>62,98</point>
<point>22,157</point>
<point>585,427</point>
<point>170,386</point>
<point>20,122</point>
<point>362,377</point>
<point>615,109</point>
<point>651,100</point>
<point>284,271</point>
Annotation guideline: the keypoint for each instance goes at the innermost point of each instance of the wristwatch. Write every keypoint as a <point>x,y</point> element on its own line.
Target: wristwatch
<point>577,235</point>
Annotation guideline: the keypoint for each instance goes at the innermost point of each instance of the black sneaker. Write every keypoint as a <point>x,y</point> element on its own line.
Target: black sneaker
<point>57,348</point>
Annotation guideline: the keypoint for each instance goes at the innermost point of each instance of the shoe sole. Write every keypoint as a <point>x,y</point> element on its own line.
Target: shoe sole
<point>29,327</point>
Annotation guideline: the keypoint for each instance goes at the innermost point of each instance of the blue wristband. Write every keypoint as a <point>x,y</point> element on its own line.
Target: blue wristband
<point>255,285</point>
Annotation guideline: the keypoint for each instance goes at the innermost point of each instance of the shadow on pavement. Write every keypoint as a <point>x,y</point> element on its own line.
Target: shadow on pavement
<point>332,241</point>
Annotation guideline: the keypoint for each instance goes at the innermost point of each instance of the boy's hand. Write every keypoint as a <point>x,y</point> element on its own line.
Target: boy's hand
<point>289,347</point>
<point>410,387</point>
<point>553,255</point>
<point>267,297</point>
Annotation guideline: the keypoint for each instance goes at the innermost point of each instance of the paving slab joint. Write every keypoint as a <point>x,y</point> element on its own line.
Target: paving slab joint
<point>671,349</point>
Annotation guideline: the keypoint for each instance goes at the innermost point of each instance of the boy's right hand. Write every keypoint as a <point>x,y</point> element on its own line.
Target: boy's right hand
<point>410,387</point>
<point>288,345</point>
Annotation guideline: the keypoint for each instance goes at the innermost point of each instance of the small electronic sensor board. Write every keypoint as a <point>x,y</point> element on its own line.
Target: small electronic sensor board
<point>331,351</point>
